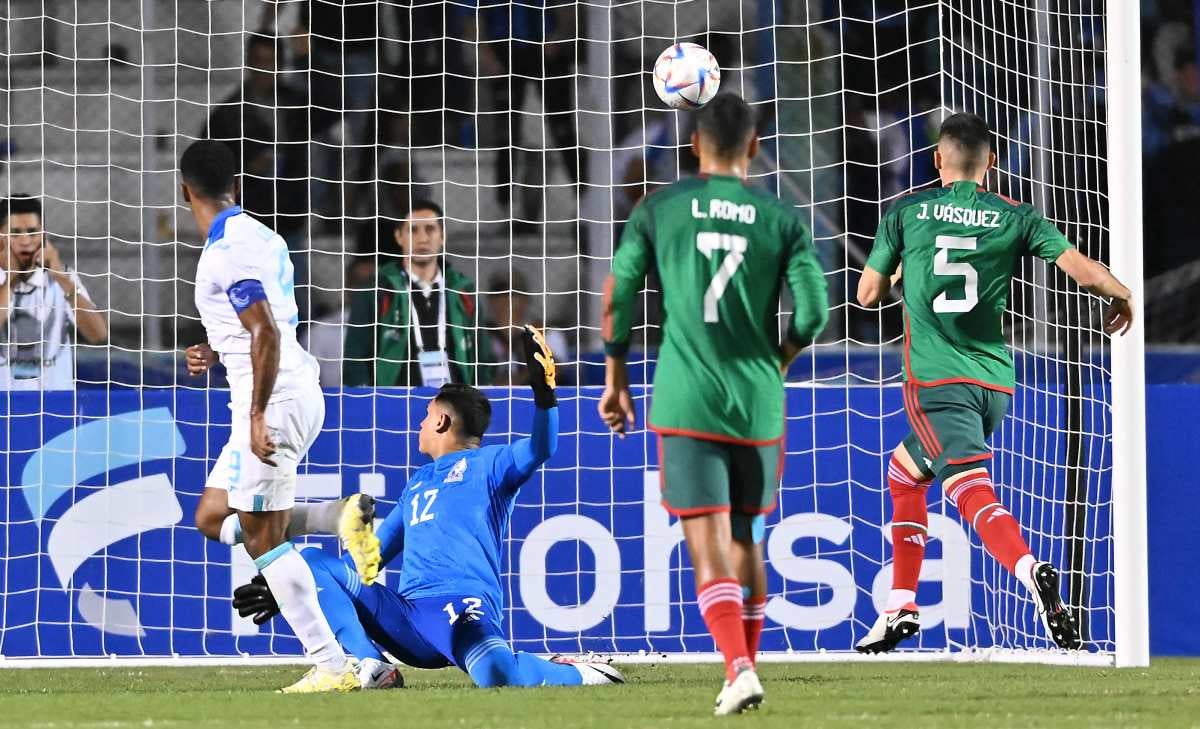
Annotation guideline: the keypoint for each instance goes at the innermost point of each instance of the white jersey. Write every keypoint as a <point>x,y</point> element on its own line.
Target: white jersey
<point>240,248</point>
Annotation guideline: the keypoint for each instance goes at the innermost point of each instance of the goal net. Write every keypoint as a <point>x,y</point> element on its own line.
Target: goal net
<point>536,131</point>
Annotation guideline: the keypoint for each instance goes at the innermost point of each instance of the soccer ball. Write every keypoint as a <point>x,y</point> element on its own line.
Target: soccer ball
<point>686,76</point>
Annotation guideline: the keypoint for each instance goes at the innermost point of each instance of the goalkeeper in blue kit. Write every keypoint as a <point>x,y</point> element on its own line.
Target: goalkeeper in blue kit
<point>448,532</point>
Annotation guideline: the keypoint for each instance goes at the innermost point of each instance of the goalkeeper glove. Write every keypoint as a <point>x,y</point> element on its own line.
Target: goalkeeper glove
<point>540,361</point>
<point>255,598</point>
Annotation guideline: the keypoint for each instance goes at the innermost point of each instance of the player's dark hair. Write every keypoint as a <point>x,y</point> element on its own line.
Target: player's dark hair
<point>19,204</point>
<point>969,132</point>
<point>208,167</point>
<point>473,411</point>
<point>727,122</point>
<point>423,204</point>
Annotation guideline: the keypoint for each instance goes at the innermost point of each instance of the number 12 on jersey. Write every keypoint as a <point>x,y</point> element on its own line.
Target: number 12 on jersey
<point>708,243</point>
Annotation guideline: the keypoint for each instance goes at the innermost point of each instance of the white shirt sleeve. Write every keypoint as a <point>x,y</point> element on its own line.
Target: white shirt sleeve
<point>80,289</point>
<point>227,268</point>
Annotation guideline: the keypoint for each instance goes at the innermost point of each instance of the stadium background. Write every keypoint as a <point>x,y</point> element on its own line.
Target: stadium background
<point>99,101</point>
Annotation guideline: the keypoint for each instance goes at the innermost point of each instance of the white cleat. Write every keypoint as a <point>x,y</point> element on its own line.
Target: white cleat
<point>594,669</point>
<point>742,693</point>
<point>375,674</point>
<point>889,629</point>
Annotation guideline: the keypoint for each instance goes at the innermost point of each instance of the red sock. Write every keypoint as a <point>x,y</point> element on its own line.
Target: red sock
<point>910,526</point>
<point>754,611</point>
<point>721,605</point>
<point>1000,532</point>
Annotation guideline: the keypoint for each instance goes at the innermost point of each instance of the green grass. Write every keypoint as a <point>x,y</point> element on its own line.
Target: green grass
<point>920,696</point>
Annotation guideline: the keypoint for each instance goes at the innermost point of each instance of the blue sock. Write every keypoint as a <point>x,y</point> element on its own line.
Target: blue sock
<point>492,663</point>
<point>334,578</point>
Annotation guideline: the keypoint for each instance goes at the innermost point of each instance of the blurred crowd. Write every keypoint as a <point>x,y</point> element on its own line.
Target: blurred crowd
<point>339,98</point>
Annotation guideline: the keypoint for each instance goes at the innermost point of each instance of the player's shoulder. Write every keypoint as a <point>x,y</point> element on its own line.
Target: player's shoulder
<point>1008,204</point>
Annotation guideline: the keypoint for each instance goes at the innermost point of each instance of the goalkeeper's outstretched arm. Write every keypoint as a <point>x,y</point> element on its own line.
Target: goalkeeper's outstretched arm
<point>528,454</point>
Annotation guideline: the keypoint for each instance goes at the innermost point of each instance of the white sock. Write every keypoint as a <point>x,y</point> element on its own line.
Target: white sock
<point>231,530</point>
<point>320,517</point>
<point>1024,572</point>
<point>898,599</point>
<point>291,581</point>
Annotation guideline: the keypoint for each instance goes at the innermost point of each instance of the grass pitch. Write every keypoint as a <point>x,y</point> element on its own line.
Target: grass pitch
<point>798,695</point>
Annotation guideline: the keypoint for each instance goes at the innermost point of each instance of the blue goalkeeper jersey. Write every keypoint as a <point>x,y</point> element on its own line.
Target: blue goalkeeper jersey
<point>451,521</point>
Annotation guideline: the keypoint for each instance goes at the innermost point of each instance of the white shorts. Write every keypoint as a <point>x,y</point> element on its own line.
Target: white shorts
<point>252,484</point>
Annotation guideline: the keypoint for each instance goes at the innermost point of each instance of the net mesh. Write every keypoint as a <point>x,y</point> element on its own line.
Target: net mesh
<point>536,130</point>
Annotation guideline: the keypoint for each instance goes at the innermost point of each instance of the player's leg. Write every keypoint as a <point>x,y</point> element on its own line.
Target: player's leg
<point>263,496</point>
<point>696,488</point>
<point>907,485</point>
<point>755,472</point>
<point>220,523</point>
<point>478,647</point>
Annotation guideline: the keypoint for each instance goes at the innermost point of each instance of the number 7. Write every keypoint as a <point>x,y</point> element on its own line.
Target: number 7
<point>706,243</point>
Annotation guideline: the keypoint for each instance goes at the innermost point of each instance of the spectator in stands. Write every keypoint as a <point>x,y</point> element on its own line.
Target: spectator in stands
<point>40,302</point>
<point>265,123</point>
<point>382,347</point>
<point>522,48</point>
<point>508,305</point>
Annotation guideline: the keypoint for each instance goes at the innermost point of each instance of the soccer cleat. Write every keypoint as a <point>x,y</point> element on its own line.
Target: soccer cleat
<point>595,669</point>
<point>376,674</point>
<point>742,693</point>
<point>321,681</point>
<point>889,629</point>
<point>1060,623</point>
<point>356,530</point>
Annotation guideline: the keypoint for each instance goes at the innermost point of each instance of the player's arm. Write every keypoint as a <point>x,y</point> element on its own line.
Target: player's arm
<point>629,267</point>
<point>525,455</point>
<point>250,302</point>
<point>810,298</point>
<point>1047,242</point>
<point>391,536</point>
<point>1095,278</point>
<point>882,269</point>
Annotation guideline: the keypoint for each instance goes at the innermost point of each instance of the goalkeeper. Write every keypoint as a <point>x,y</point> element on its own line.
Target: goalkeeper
<point>448,528</point>
<point>723,251</point>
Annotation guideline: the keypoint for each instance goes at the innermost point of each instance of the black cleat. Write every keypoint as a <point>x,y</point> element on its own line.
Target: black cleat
<point>1060,623</point>
<point>889,629</point>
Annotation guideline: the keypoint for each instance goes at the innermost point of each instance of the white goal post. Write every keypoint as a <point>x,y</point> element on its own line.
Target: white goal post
<point>536,132</point>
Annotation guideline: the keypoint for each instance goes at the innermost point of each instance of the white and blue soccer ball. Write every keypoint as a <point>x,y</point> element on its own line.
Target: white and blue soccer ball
<point>686,76</point>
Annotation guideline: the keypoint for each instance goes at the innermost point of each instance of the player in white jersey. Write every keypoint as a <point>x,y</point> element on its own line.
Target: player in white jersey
<point>244,293</point>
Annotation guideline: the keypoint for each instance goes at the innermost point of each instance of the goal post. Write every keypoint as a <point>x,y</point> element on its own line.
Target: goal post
<point>99,556</point>
<point>1124,76</point>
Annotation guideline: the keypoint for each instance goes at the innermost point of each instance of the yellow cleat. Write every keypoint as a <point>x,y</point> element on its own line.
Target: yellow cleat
<point>320,681</point>
<point>356,530</point>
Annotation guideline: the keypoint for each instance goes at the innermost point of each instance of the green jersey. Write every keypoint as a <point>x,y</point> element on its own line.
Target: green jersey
<point>722,250</point>
<point>959,245</point>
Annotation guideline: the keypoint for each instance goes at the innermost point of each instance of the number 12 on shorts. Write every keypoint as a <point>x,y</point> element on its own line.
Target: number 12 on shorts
<point>472,610</point>
<point>708,243</point>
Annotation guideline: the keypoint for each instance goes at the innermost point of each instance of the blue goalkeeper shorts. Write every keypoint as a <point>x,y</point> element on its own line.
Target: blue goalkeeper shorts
<point>428,632</point>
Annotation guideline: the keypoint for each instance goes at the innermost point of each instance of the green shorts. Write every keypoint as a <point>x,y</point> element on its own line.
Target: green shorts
<point>951,424</point>
<point>707,476</point>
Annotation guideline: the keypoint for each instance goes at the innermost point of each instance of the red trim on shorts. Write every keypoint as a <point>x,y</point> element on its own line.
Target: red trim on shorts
<point>968,459</point>
<point>920,423</point>
<point>694,511</point>
<point>937,443</point>
<point>759,512</point>
<point>717,437</point>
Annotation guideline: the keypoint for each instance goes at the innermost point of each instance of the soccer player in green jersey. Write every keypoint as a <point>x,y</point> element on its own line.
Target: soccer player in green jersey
<point>959,245</point>
<point>722,250</point>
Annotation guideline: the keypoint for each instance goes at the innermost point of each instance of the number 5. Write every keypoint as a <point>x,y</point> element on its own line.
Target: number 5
<point>943,267</point>
<point>707,243</point>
